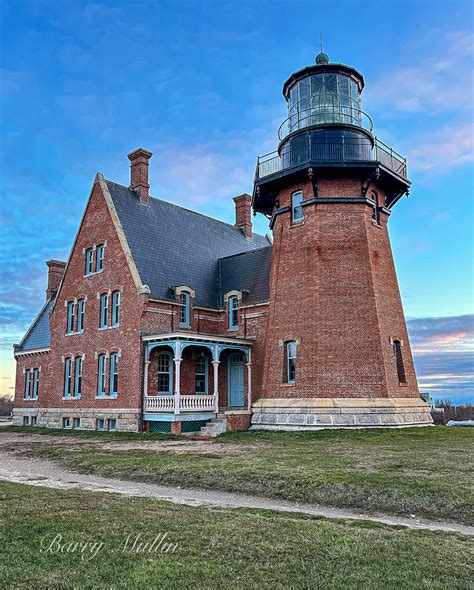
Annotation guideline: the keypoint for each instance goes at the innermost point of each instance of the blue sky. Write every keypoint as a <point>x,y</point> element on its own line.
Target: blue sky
<point>199,84</point>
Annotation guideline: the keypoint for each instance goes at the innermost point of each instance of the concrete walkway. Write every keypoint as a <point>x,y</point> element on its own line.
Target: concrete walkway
<point>41,472</point>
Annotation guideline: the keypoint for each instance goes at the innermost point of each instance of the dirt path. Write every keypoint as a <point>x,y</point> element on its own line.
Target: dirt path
<point>41,472</point>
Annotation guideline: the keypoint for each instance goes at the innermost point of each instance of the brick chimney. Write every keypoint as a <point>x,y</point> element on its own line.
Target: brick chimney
<point>139,173</point>
<point>243,208</point>
<point>55,274</point>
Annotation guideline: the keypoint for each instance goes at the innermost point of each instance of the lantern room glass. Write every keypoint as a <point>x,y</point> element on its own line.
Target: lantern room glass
<point>324,98</point>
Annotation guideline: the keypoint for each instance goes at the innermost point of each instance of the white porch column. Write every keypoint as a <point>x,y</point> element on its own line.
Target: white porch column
<point>145,379</point>
<point>215,364</point>
<point>249,382</point>
<point>177,391</point>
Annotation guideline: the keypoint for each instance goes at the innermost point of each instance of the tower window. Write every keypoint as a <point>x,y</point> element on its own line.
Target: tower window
<point>164,373</point>
<point>184,310</point>
<point>233,313</point>
<point>375,211</point>
<point>201,372</point>
<point>397,348</point>
<point>296,206</point>
<point>290,362</point>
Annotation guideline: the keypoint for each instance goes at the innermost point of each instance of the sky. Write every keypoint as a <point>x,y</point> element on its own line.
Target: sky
<point>199,84</point>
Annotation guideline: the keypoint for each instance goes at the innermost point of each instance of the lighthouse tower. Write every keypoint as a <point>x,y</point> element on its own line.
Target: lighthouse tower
<point>337,352</point>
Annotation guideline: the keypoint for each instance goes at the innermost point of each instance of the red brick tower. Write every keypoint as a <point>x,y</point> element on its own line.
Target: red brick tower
<point>337,351</point>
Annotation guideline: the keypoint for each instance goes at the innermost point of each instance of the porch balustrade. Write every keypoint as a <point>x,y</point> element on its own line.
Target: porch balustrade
<point>187,403</point>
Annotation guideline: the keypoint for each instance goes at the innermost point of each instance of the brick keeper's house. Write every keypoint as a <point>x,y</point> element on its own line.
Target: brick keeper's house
<point>166,320</point>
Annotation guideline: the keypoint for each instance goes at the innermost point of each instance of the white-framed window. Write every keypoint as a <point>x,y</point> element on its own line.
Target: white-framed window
<point>80,315</point>
<point>34,394</point>
<point>101,373</point>
<point>375,210</point>
<point>185,309</point>
<point>115,309</point>
<point>112,424</point>
<point>100,424</point>
<point>67,377</point>
<point>26,420</point>
<point>99,258</point>
<point>78,376</point>
<point>71,305</point>
<point>165,373</point>
<point>76,422</point>
<point>296,206</point>
<point>34,421</point>
<point>27,384</point>
<point>113,381</point>
<point>66,422</point>
<point>201,370</point>
<point>290,362</point>
<point>89,269</point>
<point>233,312</point>
<point>104,310</point>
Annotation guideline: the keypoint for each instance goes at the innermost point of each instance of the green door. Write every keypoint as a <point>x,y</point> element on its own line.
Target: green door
<point>236,380</point>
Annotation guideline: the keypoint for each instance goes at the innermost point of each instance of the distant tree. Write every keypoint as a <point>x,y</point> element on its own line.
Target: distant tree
<point>444,411</point>
<point>6,405</point>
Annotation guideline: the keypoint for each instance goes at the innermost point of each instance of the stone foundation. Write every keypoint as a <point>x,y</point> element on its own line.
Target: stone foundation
<point>127,420</point>
<point>314,414</point>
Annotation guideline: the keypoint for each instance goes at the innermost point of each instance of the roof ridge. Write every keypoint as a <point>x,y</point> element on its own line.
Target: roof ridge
<point>187,209</point>
<point>245,252</point>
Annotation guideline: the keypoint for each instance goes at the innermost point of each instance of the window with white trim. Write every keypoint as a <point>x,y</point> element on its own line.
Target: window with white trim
<point>185,309</point>
<point>99,258</point>
<point>78,376</point>
<point>113,381</point>
<point>89,269</point>
<point>101,374</point>
<point>375,210</point>
<point>71,306</point>
<point>296,206</point>
<point>27,384</point>
<point>34,394</point>
<point>165,373</point>
<point>201,368</point>
<point>104,310</point>
<point>233,312</point>
<point>67,377</point>
<point>80,315</point>
<point>115,309</point>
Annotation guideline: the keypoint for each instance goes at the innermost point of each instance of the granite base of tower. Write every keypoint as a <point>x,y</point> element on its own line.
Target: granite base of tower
<point>315,414</point>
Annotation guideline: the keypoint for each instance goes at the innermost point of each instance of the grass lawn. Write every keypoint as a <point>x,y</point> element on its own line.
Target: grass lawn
<point>421,471</point>
<point>215,548</point>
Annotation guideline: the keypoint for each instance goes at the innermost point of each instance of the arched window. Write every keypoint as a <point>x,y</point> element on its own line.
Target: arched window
<point>296,206</point>
<point>290,362</point>
<point>185,309</point>
<point>165,373</point>
<point>397,349</point>
<point>233,313</point>
<point>375,211</point>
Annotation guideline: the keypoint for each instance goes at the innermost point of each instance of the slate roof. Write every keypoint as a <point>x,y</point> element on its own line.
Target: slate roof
<point>38,334</point>
<point>173,246</point>
<point>246,271</point>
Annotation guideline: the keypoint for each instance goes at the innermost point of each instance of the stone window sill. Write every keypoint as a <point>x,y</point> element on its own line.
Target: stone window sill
<point>91,274</point>
<point>69,397</point>
<point>403,384</point>
<point>113,396</point>
<point>288,385</point>
<point>375,224</point>
<point>74,333</point>
<point>30,399</point>
<point>296,223</point>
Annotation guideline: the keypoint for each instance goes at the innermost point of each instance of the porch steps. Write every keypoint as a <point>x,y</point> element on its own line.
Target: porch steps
<point>214,427</point>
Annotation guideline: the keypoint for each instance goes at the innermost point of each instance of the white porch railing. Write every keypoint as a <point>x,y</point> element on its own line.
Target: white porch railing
<point>187,403</point>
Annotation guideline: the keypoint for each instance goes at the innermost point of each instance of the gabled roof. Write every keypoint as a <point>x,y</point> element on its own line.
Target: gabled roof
<point>246,271</point>
<point>173,246</point>
<point>38,334</point>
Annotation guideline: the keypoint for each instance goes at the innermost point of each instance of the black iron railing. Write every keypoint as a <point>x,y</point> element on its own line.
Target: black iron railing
<point>332,150</point>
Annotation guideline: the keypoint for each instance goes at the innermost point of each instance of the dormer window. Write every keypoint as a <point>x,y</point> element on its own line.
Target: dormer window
<point>233,312</point>
<point>185,309</point>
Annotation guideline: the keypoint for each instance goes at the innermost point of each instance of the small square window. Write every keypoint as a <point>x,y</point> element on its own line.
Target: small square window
<point>26,420</point>
<point>76,422</point>
<point>112,423</point>
<point>66,422</point>
<point>100,424</point>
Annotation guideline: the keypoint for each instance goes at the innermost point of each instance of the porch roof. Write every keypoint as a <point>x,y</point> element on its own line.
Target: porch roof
<point>178,341</point>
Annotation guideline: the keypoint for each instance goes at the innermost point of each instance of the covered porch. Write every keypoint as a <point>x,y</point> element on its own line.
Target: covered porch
<point>190,378</point>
